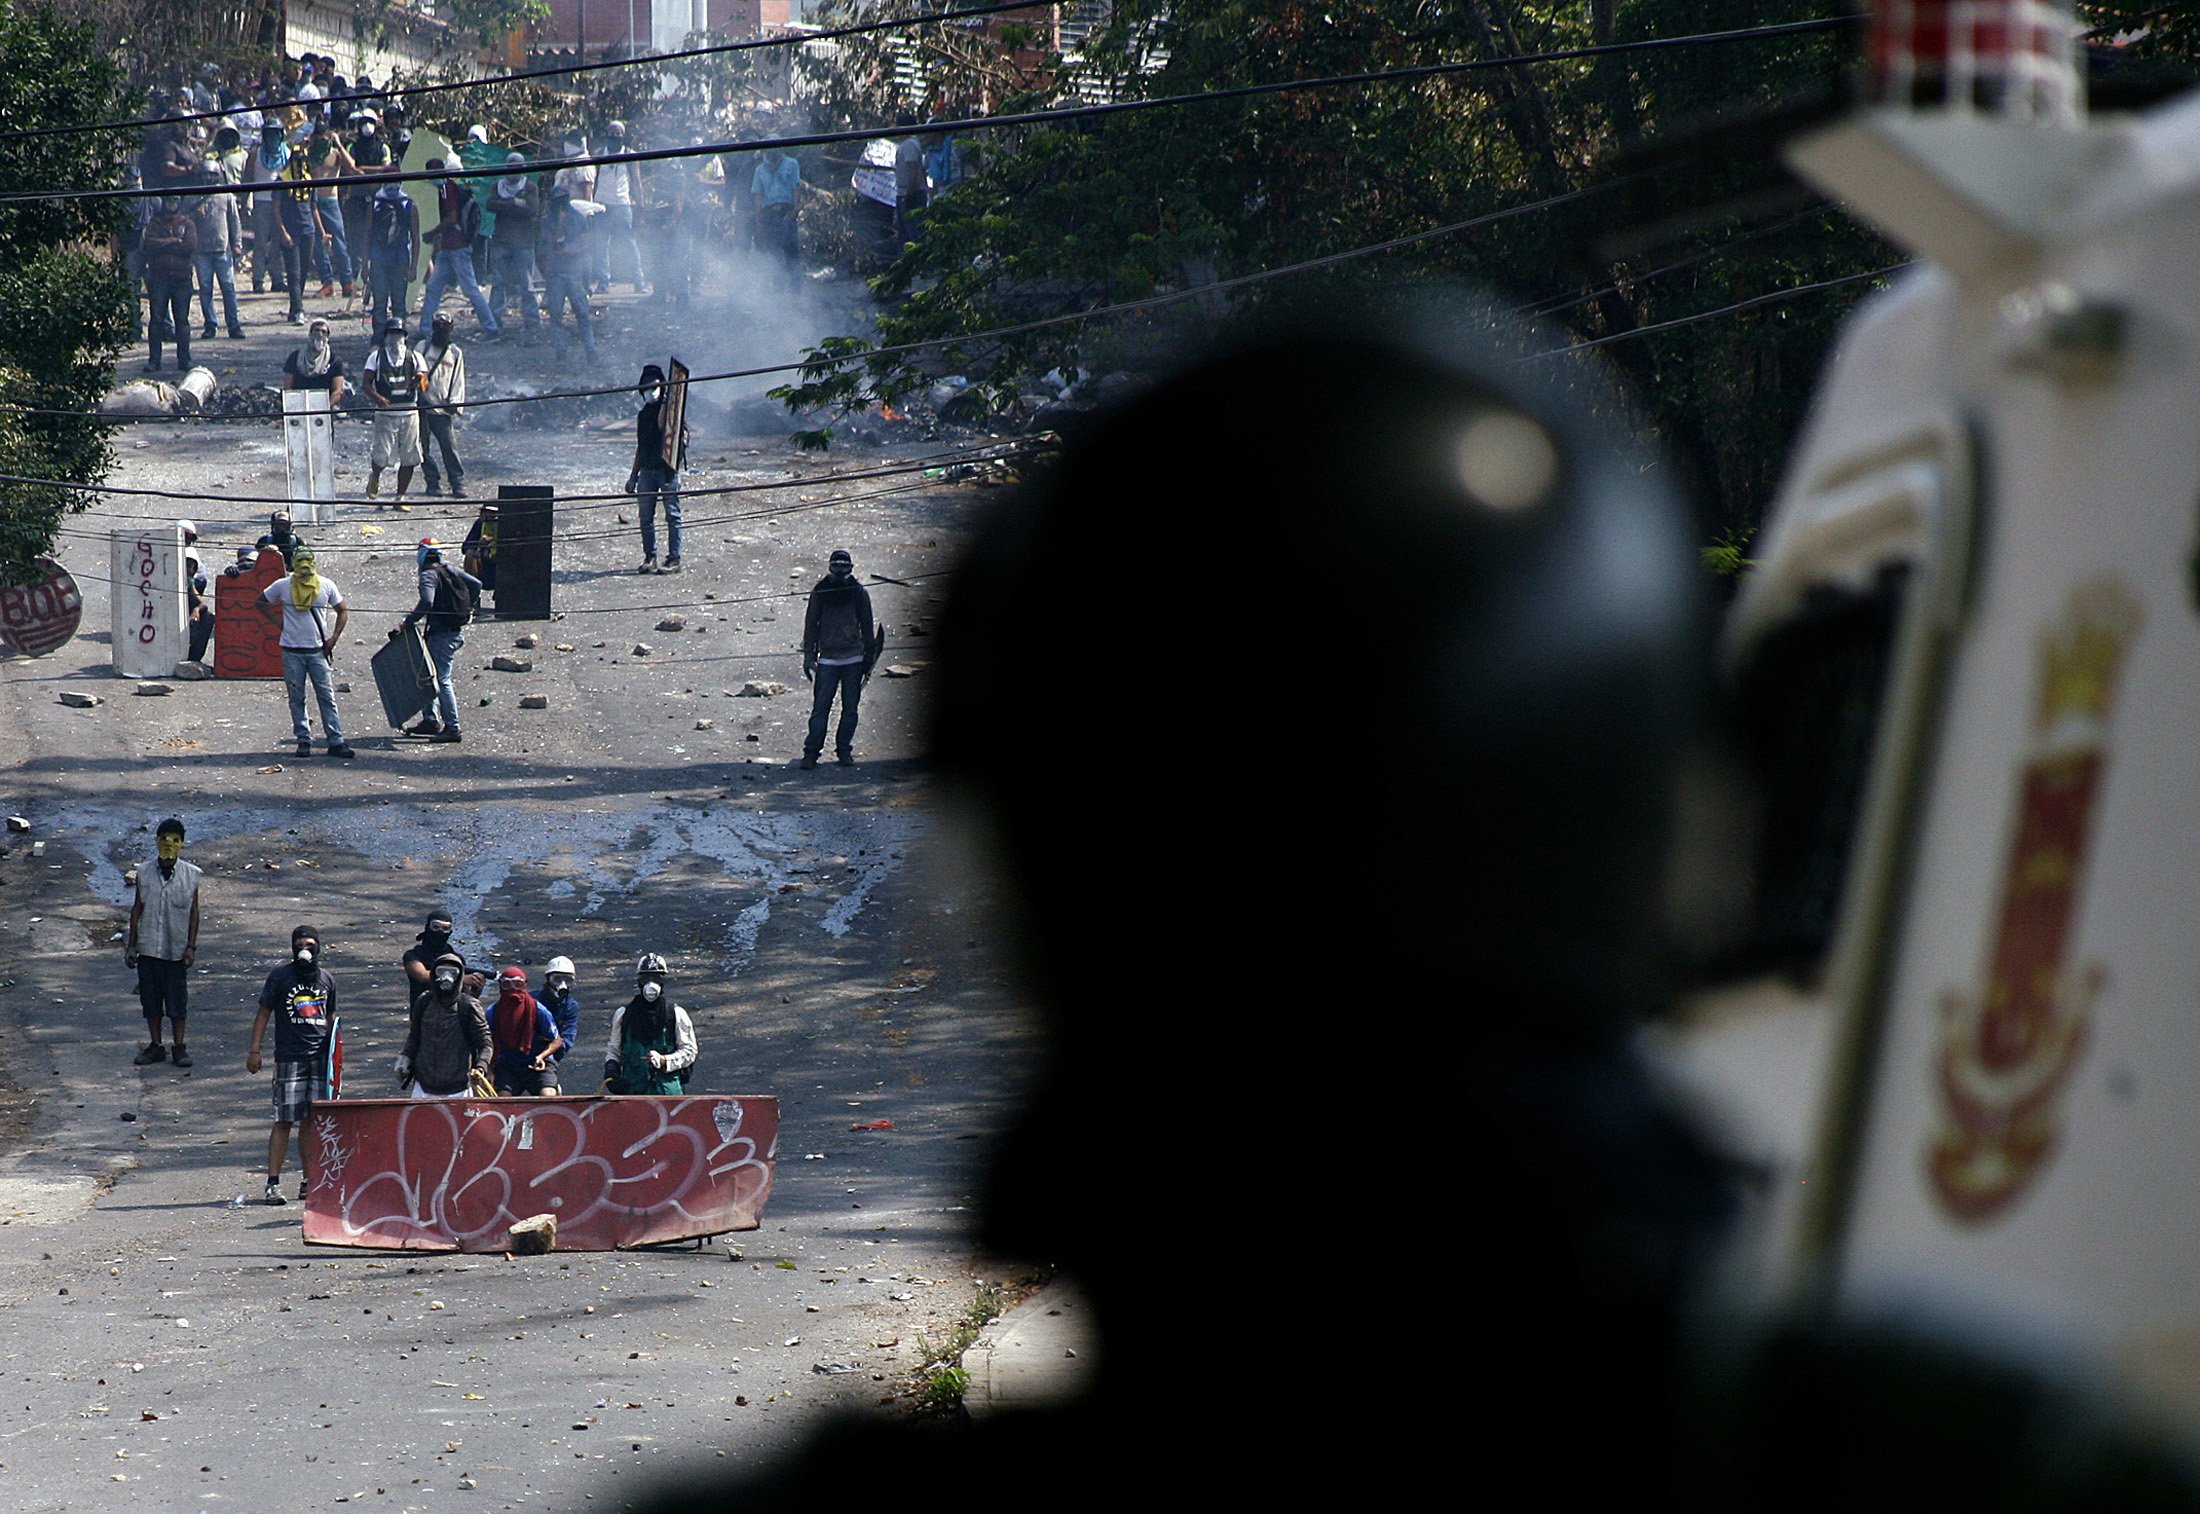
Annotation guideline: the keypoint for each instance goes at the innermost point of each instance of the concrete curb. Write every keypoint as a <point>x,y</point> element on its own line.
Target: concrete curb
<point>1041,1354</point>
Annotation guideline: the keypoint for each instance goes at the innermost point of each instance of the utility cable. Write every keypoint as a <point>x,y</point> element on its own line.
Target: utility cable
<point>1775,297</point>
<point>960,124</point>
<point>977,453</point>
<point>826,362</point>
<point>394,92</point>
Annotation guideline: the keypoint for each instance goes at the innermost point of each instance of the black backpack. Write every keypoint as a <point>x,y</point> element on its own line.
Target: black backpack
<point>454,598</point>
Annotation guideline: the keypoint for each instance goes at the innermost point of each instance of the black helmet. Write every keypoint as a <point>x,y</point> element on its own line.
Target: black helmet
<point>1509,631</point>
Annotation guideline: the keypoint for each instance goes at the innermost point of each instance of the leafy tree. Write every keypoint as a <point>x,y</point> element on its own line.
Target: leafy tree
<point>65,306</point>
<point>1072,217</point>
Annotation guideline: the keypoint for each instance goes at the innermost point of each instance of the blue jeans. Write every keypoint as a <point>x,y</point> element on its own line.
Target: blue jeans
<point>618,227</point>
<point>302,249</point>
<point>218,267</point>
<point>442,651</point>
<point>569,289</point>
<point>388,282</point>
<point>456,267</point>
<point>650,486</point>
<point>299,668</point>
<point>330,251</point>
<point>847,680</point>
<point>511,271</point>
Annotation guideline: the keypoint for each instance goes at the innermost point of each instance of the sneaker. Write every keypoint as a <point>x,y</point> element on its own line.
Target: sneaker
<point>672,565</point>
<point>274,1194</point>
<point>153,1053</point>
<point>809,760</point>
<point>845,759</point>
<point>450,736</point>
<point>237,332</point>
<point>458,491</point>
<point>206,331</point>
<point>399,504</point>
<point>297,318</point>
<point>343,751</point>
<point>425,728</point>
<point>649,565</point>
<point>305,749</point>
<point>180,1057</point>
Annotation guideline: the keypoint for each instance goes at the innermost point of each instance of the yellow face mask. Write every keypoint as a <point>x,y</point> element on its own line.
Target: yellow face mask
<point>169,847</point>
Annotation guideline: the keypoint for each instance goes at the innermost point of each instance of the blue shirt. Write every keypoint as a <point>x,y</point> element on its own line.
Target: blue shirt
<point>776,186</point>
<point>566,1012</point>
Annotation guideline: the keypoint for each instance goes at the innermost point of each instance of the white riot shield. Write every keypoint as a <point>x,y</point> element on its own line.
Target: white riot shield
<point>150,611</point>
<point>309,455</point>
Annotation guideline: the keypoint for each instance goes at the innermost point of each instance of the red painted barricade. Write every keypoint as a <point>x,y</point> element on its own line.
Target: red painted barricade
<point>456,1174</point>
<point>246,643</point>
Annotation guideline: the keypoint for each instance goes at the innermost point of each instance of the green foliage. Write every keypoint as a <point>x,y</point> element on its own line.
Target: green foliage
<point>65,307</point>
<point>490,20</point>
<point>1067,218</point>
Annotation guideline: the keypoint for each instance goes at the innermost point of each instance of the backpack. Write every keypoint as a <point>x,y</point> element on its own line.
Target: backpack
<point>454,598</point>
<point>389,234</point>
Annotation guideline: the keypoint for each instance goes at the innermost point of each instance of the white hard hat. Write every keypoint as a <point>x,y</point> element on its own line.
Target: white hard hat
<point>190,530</point>
<point>559,965</point>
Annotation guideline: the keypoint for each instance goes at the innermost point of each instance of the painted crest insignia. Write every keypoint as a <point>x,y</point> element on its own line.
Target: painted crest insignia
<point>2007,1050</point>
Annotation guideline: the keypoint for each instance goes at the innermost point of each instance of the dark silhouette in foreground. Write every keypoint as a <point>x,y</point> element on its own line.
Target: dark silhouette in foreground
<point>1343,1131</point>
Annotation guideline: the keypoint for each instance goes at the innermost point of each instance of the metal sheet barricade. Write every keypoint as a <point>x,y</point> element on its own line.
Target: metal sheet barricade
<point>616,1171</point>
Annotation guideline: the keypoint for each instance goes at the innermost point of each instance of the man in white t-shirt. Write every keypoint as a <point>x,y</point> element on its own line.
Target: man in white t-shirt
<point>313,615</point>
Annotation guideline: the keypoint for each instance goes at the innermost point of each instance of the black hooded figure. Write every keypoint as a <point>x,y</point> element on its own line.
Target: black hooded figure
<point>840,644</point>
<point>1357,1136</point>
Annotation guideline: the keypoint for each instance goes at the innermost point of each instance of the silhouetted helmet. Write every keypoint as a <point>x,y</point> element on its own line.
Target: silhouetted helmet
<point>1434,646</point>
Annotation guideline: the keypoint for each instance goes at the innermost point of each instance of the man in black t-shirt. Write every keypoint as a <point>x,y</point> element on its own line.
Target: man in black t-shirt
<point>300,998</point>
<point>434,941</point>
<point>316,365</point>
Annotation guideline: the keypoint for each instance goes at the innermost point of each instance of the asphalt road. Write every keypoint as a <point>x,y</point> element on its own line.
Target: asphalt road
<point>836,950</point>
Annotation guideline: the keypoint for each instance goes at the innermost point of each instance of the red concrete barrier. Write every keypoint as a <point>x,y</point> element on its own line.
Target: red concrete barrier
<point>246,643</point>
<point>617,1171</point>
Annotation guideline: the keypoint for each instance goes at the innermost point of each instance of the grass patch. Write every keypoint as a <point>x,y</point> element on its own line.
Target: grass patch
<point>941,1380</point>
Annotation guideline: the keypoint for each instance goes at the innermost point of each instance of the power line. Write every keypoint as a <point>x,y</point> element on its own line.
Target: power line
<point>823,363</point>
<point>824,35</point>
<point>1777,296</point>
<point>960,124</point>
<point>608,533</point>
<point>909,581</point>
<point>976,453</point>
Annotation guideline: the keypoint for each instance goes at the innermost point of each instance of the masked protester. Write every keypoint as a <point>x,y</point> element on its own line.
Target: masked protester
<point>393,249</point>
<point>451,241</point>
<point>279,536</point>
<point>163,941</point>
<point>447,1041</point>
<point>315,366</point>
<point>393,379</point>
<point>565,1011</point>
<point>171,254</point>
<point>434,941</point>
<point>561,252</point>
<point>442,401</point>
<point>301,999</point>
<point>652,1045</point>
<point>840,645</point>
<point>448,599</point>
<point>309,637</point>
<point>656,472</point>
<point>526,1039</point>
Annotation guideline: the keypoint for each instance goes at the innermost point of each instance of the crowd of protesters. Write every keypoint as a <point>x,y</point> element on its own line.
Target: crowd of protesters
<point>529,247</point>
